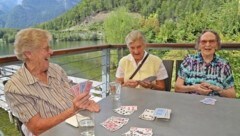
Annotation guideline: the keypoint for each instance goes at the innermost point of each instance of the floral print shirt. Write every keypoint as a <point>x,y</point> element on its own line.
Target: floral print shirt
<point>218,72</point>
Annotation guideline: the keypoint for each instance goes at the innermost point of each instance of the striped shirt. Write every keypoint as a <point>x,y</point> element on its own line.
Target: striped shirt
<point>218,72</point>
<point>27,96</point>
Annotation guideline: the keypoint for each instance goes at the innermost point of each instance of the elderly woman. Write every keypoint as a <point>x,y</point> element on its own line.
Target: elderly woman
<point>206,73</point>
<point>38,93</point>
<point>151,65</point>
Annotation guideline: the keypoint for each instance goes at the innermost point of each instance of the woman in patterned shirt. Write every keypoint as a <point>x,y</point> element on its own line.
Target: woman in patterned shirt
<point>205,73</point>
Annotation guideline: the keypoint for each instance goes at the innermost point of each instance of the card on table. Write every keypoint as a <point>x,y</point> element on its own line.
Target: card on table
<point>209,101</point>
<point>125,110</point>
<point>114,123</point>
<point>136,131</point>
<point>147,115</point>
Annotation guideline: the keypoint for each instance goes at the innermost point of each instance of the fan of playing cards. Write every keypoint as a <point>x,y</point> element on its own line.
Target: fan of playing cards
<point>135,131</point>
<point>125,110</point>
<point>114,123</point>
<point>81,87</point>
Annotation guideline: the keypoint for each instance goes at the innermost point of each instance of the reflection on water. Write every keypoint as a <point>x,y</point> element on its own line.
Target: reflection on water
<point>8,49</point>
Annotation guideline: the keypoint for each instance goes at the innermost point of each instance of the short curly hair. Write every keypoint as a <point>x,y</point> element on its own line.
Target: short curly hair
<point>218,39</point>
<point>29,39</point>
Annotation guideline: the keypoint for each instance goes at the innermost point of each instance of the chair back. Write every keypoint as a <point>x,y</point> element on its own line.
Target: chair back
<point>169,67</point>
<point>178,63</point>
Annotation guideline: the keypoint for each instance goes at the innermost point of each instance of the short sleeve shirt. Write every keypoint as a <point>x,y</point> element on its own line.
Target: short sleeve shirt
<point>153,66</point>
<point>194,71</point>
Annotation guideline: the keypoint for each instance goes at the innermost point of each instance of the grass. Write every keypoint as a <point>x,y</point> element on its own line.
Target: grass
<point>7,128</point>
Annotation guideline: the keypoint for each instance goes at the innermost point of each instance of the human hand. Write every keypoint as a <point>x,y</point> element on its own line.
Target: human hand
<point>93,106</point>
<point>81,101</point>
<point>131,83</point>
<point>201,89</point>
<point>145,84</point>
<point>212,87</point>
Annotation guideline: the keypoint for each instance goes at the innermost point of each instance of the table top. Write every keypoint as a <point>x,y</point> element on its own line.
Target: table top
<point>189,116</point>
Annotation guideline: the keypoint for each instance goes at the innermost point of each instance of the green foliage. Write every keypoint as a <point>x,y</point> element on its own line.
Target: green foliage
<point>118,25</point>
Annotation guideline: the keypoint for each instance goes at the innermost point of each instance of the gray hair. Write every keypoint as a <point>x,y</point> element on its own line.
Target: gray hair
<point>29,39</point>
<point>134,36</point>
<point>218,39</point>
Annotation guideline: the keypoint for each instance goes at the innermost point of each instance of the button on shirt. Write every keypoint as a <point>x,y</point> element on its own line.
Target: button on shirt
<point>218,72</point>
<point>27,96</point>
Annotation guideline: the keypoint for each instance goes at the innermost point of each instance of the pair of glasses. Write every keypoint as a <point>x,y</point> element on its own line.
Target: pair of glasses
<point>208,41</point>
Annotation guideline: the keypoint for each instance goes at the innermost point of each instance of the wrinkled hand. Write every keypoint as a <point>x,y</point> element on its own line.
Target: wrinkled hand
<point>93,106</point>
<point>81,101</point>
<point>131,83</point>
<point>202,89</point>
<point>212,87</point>
<point>145,84</point>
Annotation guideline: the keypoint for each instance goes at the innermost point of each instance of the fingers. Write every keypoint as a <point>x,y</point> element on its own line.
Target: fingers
<point>131,83</point>
<point>81,101</point>
<point>145,84</point>
<point>94,107</point>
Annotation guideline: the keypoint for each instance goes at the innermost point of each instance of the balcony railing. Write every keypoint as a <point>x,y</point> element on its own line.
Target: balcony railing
<point>103,60</point>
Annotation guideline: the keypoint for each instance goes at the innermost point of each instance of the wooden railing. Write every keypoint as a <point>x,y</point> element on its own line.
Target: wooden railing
<point>225,46</point>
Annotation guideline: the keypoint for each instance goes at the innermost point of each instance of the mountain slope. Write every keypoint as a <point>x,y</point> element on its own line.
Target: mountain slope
<point>32,12</point>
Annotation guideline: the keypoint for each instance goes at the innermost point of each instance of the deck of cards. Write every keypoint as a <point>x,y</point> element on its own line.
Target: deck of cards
<point>162,113</point>
<point>157,113</point>
<point>125,110</point>
<point>114,123</point>
<point>209,101</point>
<point>85,86</point>
<point>135,131</point>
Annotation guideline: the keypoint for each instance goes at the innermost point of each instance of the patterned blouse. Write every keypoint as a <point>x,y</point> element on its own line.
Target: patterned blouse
<point>218,72</point>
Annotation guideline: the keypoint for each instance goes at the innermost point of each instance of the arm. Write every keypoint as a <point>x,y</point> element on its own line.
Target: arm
<point>37,124</point>
<point>159,85</point>
<point>197,88</point>
<point>230,92</point>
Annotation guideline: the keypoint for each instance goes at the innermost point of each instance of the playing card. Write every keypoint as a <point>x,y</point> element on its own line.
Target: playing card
<point>160,112</point>
<point>114,123</point>
<point>125,110</point>
<point>85,86</point>
<point>110,125</point>
<point>209,101</point>
<point>135,131</point>
<point>150,79</point>
<point>88,86</point>
<point>75,89</point>
<point>134,108</point>
<point>147,115</point>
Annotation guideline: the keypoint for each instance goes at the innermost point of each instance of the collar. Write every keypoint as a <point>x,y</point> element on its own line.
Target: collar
<point>199,55</point>
<point>130,57</point>
<point>29,79</point>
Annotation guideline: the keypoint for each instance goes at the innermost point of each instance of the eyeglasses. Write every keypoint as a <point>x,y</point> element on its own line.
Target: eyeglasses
<point>207,41</point>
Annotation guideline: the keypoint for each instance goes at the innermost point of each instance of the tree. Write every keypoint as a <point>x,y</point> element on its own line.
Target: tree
<point>119,23</point>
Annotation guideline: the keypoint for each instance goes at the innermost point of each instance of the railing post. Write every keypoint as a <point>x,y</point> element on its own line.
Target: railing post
<point>105,71</point>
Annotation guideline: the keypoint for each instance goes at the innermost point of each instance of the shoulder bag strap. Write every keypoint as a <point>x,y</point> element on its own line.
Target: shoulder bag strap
<point>134,73</point>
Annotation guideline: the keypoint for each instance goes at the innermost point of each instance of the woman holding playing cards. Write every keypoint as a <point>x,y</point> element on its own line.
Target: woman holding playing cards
<point>139,65</point>
<point>206,73</point>
<point>38,93</point>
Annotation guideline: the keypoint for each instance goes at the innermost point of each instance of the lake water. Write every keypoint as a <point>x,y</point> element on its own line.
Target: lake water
<point>8,49</point>
<point>74,65</point>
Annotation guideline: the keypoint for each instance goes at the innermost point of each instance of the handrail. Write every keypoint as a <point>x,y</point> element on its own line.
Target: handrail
<point>225,46</point>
